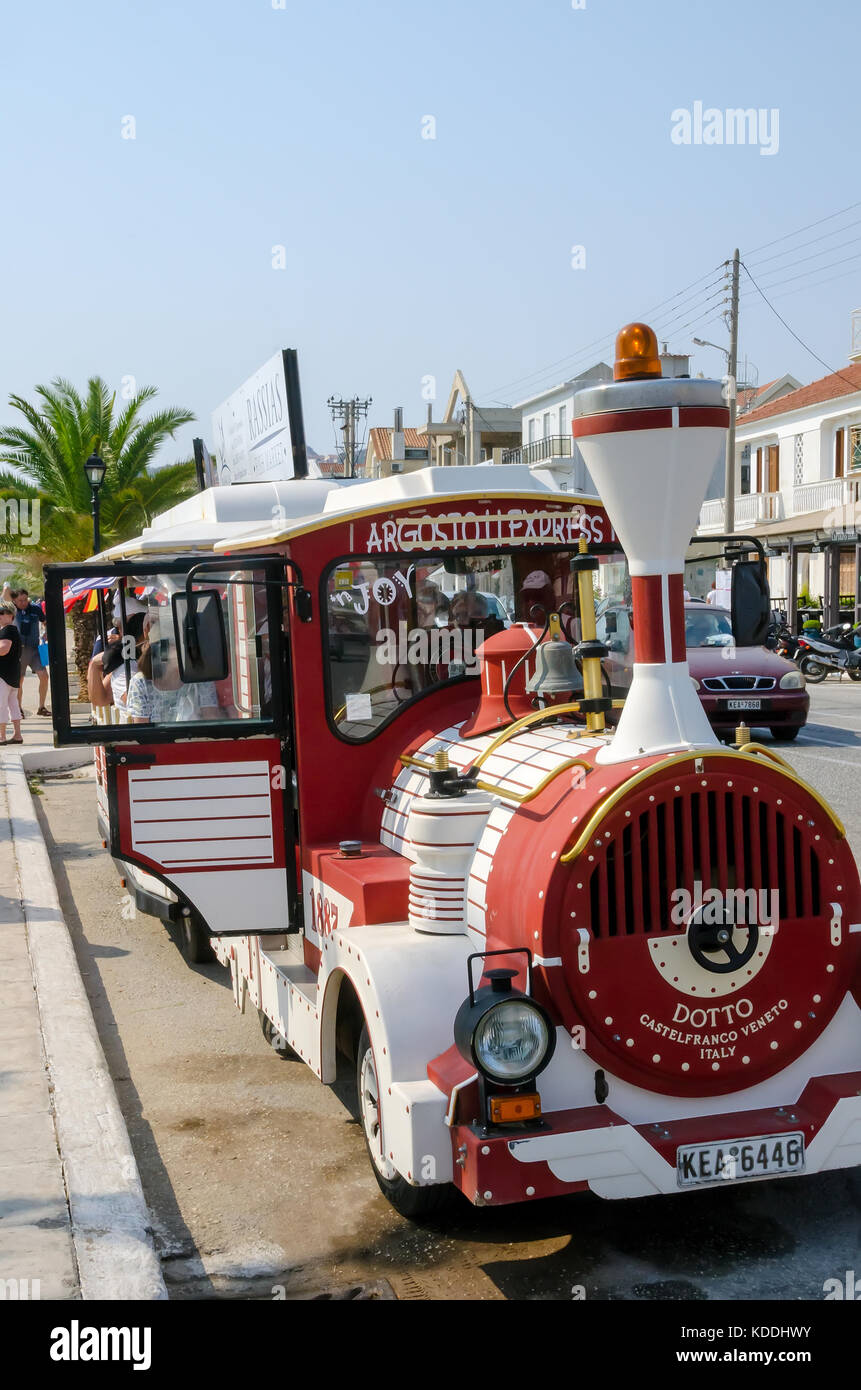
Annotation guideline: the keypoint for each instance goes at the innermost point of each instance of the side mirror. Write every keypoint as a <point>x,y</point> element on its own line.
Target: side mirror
<point>201,643</point>
<point>751,603</point>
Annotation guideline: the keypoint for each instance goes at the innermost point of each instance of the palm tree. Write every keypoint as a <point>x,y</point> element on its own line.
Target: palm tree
<point>45,458</point>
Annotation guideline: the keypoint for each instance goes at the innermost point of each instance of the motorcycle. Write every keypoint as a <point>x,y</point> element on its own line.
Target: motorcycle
<point>835,650</point>
<point>786,643</point>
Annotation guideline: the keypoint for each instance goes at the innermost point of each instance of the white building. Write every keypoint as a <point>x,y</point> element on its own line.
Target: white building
<point>546,439</point>
<point>798,488</point>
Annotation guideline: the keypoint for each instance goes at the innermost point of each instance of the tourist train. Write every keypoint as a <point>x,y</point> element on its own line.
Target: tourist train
<point>364,752</point>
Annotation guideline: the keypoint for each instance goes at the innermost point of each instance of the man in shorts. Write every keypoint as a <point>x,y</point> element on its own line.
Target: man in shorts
<point>28,620</point>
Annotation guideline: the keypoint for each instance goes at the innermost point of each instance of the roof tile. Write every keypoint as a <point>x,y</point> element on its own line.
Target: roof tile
<point>827,388</point>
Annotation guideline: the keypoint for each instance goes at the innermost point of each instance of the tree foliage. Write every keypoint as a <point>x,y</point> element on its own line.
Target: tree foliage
<point>42,459</point>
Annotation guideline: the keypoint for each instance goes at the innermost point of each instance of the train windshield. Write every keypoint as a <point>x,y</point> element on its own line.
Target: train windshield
<point>400,625</point>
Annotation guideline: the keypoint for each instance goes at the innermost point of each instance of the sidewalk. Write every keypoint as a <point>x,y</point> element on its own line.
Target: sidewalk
<point>35,1227</point>
<point>72,1211</point>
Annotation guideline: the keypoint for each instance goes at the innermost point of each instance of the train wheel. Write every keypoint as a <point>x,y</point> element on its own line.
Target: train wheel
<point>413,1202</point>
<point>276,1040</point>
<point>194,941</point>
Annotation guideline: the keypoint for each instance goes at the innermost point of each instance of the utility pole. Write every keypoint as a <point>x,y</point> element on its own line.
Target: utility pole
<point>732,369</point>
<point>350,412</point>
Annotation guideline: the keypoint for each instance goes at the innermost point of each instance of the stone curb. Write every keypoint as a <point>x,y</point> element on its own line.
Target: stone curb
<point>111,1225</point>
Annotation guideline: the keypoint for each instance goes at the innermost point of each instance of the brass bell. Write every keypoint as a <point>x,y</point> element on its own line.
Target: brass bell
<point>555,669</point>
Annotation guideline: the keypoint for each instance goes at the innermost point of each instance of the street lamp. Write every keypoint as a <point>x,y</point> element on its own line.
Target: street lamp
<point>95,469</point>
<point>703,342</point>
<point>729,468</point>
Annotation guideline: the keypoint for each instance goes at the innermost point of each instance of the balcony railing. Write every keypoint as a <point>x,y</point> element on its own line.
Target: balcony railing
<point>553,446</point>
<point>546,452</point>
<point>750,508</point>
<point>831,492</point>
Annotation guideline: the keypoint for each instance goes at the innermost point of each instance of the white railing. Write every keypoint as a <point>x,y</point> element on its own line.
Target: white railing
<point>758,506</point>
<point>750,508</point>
<point>711,515</point>
<point>553,446</point>
<point>831,492</point>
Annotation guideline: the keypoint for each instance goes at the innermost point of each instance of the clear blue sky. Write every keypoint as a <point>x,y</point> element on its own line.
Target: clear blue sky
<point>301,127</point>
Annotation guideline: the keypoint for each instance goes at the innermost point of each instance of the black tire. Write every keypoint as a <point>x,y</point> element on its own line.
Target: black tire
<point>785,735</point>
<point>812,670</point>
<point>412,1202</point>
<point>194,940</point>
<point>854,675</point>
<point>275,1040</point>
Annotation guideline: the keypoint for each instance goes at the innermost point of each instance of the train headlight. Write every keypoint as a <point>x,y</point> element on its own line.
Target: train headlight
<point>793,680</point>
<point>503,1033</point>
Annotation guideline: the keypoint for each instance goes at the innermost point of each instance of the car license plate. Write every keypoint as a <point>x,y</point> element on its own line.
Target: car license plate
<point>744,704</point>
<point>769,1155</point>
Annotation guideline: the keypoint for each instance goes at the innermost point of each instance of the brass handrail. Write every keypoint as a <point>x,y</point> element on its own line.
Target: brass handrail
<point>520,797</point>
<point>524,722</point>
<point>674,760</point>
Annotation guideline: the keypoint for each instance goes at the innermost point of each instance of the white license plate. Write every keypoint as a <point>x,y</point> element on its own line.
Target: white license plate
<point>733,1159</point>
<point>744,704</point>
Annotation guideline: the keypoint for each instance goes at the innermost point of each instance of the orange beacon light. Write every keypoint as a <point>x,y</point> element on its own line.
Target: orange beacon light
<point>636,353</point>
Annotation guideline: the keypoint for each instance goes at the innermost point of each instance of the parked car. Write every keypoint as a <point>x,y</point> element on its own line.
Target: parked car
<point>736,685</point>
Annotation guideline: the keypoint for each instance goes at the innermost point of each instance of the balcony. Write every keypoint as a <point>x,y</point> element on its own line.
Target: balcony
<point>831,492</point>
<point>751,509</point>
<point>555,452</point>
<point>540,450</point>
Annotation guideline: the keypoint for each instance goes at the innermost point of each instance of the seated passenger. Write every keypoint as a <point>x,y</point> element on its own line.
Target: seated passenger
<point>106,673</point>
<point>431,605</point>
<point>164,698</point>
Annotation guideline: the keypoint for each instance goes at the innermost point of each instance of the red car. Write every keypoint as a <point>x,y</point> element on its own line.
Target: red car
<point>749,685</point>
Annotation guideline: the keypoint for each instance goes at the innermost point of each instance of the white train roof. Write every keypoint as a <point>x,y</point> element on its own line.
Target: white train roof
<point>250,515</point>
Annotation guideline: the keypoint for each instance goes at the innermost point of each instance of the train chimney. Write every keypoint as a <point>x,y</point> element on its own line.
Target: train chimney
<point>651,445</point>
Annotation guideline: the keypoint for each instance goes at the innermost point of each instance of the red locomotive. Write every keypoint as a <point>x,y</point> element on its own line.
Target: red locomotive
<point>370,759</point>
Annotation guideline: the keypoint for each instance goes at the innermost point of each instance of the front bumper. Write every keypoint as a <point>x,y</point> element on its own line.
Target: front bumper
<point>596,1149</point>
<point>777,708</point>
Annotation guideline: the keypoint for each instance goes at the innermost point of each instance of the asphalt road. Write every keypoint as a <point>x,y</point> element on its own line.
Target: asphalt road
<point>257,1176</point>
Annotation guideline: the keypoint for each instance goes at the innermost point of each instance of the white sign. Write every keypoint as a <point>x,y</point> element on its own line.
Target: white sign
<point>252,429</point>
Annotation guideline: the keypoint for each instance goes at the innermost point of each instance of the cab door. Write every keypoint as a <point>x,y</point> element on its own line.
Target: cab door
<point>195,776</point>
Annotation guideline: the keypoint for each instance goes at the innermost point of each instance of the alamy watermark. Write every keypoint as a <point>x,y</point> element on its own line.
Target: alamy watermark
<point>20,1289</point>
<point>744,906</point>
<point>847,1287</point>
<point>735,126</point>
<point>20,517</point>
<point>430,646</point>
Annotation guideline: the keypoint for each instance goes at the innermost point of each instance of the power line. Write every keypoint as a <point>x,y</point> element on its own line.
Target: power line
<point>814,270</point>
<point>609,337</point>
<point>829,250</point>
<point>534,380</point>
<point>830,218</point>
<point>807,348</point>
<point>350,412</point>
<point>701,309</point>
<point>778,255</point>
<point>663,328</point>
<point>817,270</point>
<point>844,275</point>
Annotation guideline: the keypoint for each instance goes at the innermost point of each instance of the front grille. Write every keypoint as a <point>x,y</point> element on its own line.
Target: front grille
<point>739,682</point>
<point>721,839</point>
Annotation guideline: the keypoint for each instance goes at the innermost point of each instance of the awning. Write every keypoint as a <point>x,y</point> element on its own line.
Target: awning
<point>812,528</point>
